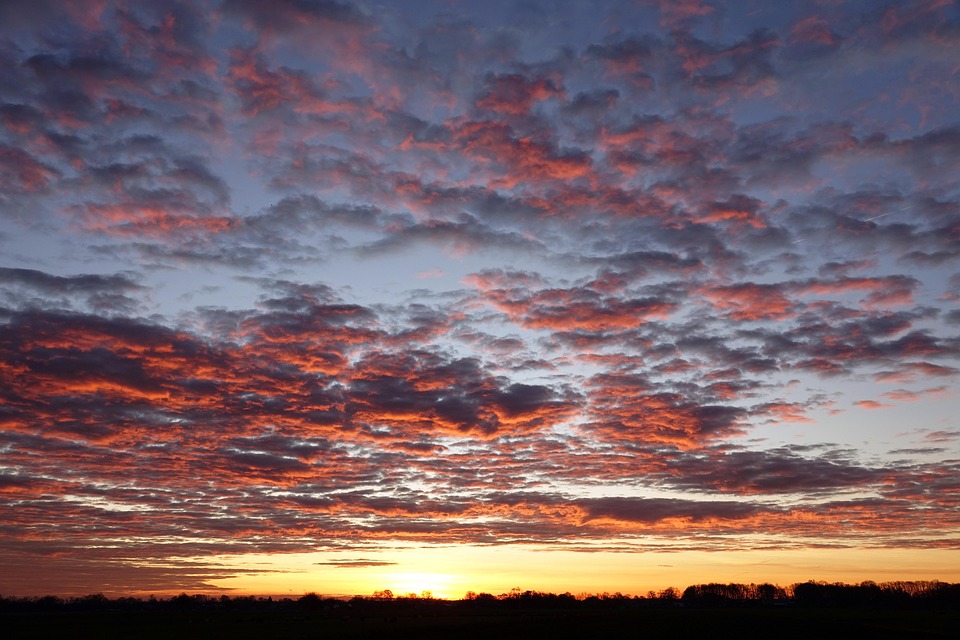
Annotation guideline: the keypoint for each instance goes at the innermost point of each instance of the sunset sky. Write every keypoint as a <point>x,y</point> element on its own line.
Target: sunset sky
<point>560,295</point>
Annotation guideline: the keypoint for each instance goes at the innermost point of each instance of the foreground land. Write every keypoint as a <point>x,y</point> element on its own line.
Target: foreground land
<point>679,622</point>
<point>807,610</point>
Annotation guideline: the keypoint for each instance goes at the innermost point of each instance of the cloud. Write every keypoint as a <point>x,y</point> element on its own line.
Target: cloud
<point>354,563</point>
<point>419,391</point>
<point>24,173</point>
<point>776,471</point>
<point>672,257</point>
<point>291,16</point>
<point>872,404</point>
<point>576,309</point>
<point>686,12</point>
<point>515,95</point>
<point>749,301</point>
<point>653,510</point>
<point>904,395</point>
<point>629,57</point>
<point>101,292</point>
<point>629,408</point>
<point>813,35</point>
<point>465,235</point>
<point>745,66</point>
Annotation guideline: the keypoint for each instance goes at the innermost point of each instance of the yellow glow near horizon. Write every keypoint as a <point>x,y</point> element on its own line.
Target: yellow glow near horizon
<point>449,572</point>
<point>437,585</point>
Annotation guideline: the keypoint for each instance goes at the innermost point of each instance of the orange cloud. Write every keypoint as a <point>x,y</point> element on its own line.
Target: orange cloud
<point>871,404</point>
<point>749,301</point>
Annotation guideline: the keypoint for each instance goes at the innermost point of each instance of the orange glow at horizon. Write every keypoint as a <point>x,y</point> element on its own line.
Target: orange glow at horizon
<point>449,572</point>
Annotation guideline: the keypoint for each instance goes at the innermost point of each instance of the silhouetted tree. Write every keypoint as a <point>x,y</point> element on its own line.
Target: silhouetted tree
<point>669,594</point>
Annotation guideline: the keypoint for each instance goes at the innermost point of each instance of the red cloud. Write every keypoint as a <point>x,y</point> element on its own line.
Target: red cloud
<point>259,88</point>
<point>574,309</point>
<point>813,30</point>
<point>515,94</point>
<point>749,301</point>
<point>903,395</point>
<point>738,209</point>
<point>786,412</point>
<point>884,292</point>
<point>871,404</point>
<point>624,408</point>
<point>909,370</point>
<point>20,172</point>
<point>424,393</point>
<point>137,220</point>
<point>513,160</point>
<point>674,13</point>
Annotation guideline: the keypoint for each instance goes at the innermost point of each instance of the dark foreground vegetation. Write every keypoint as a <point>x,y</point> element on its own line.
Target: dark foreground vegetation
<point>812,609</point>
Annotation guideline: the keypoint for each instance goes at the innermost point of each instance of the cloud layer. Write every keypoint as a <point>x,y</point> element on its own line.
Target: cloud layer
<point>333,274</point>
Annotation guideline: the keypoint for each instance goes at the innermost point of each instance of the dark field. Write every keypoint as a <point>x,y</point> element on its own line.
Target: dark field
<point>680,622</point>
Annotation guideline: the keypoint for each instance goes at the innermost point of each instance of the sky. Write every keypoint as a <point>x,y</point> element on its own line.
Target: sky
<point>337,297</point>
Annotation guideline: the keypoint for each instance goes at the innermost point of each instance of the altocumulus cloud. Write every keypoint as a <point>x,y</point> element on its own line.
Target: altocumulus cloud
<point>685,277</point>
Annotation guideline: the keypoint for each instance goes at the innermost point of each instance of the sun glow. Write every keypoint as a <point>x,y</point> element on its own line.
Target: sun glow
<point>450,572</point>
<point>423,584</point>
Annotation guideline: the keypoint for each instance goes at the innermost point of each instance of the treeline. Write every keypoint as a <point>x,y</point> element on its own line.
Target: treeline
<point>807,594</point>
<point>823,594</point>
<point>872,594</point>
<point>901,594</point>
